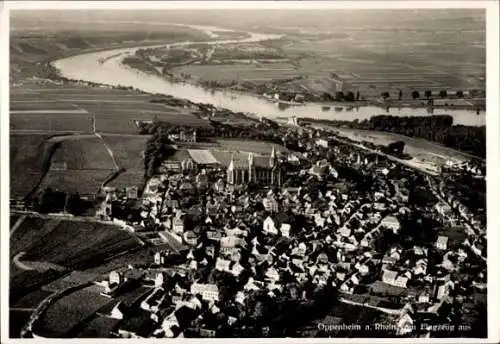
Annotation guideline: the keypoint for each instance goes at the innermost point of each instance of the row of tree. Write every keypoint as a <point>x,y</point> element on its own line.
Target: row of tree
<point>350,96</point>
<point>436,128</point>
<point>428,94</point>
<point>158,148</point>
<point>49,200</point>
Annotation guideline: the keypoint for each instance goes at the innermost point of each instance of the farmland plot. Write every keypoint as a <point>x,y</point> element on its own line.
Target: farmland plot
<point>79,244</point>
<point>78,165</point>
<point>41,106</point>
<point>99,327</point>
<point>69,311</point>
<point>31,300</point>
<point>29,154</point>
<point>85,182</point>
<point>250,72</point>
<point>47,122</point>
<point>82,154</point>
<point>128,152</point>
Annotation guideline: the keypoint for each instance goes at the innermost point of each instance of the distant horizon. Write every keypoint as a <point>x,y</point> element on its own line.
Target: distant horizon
<point>453,19</point>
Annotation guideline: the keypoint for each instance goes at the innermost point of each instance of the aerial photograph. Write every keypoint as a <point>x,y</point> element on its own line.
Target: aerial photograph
<point>247,173</point>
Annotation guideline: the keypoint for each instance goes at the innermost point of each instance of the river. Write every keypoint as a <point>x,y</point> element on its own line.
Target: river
<point>87,67</point>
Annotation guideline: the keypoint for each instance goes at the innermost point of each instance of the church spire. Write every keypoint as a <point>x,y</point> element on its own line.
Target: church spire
<point>273,158</point>
<point>250,160</point>
<point>230,171</point>
<point>231,163</point>
<point>251,168</point>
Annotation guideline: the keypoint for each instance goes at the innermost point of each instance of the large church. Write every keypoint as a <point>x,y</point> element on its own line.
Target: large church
<point>257,169</point>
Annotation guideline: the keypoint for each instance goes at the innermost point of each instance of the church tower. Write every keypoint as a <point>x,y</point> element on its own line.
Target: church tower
<point>275,170</point>
<point>230,171</point>
<point>273,160</point>
<point>251,168</point>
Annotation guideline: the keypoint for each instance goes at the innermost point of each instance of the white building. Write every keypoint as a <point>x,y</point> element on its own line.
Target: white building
<point>285,229</point>
<point>209,292</point>
<point>392,223</point>
<point>442,243</point>
<point>392,278</point>
<point>322,143</point>
<point>269,226</point>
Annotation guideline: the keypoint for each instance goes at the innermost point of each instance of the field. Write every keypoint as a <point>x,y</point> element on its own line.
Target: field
<point>32,300</point>
<point>28,158</point>
<point>69,311</point>
<point>85,320</point>
<point>39,245</point>
<point>29,288</point>
<point>71,244</point>
<point>98,327</point>
<point>128,154</point>
<point>82,153</point>
<point>260,73</point>
<point>39,112</point>
<point>83,182</point>
<point>70,109</point>
<point>68,163</point>
<point>72,280</point>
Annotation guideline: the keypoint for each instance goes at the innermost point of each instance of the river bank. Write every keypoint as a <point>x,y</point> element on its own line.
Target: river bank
<point>271,93</point>
<point>112,72</point>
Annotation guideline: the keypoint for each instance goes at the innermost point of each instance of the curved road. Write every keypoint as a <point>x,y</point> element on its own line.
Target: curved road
<point>19,264</point>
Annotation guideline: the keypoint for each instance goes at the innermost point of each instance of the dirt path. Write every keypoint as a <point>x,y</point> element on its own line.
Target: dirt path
<point>17,224</point>
<point>35,265</point>
<point>18,263</point>
<point>117,167</point>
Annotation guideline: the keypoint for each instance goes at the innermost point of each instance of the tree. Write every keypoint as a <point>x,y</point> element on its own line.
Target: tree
<point>460,94</point>
<point>385,95</point>
<point>357,95</point>
<point>339,96</point>
<point>396,147</point>
<point>415,94</point>
<point>350,96</point>
<point>428,94</point>
<point>326,97</point>
<point>400,94</point>
<point>443,94</point>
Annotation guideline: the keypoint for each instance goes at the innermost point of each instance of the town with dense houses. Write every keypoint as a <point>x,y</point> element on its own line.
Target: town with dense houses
<point>244,242</point>
<point>248,173</point>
